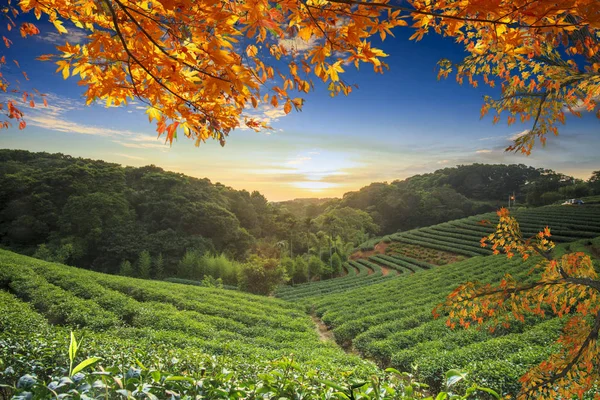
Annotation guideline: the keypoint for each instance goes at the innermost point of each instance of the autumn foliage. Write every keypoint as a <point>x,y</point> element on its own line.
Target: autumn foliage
<point>201,66</point>
<point>567,286</point>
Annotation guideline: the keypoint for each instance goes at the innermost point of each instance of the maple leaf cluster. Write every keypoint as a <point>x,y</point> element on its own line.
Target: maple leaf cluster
<point>566,286</point>
<point>201,66</point>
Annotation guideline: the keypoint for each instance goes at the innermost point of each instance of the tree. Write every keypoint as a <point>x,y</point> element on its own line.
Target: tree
<point>594,182</point>
<point>159,267</point>
<point>289,266</point>
<point>300,270</point>
<point>43,253</point>
<point>336,265</point>
<point>126,269</point>
<point>190,265</point>
<point>199,70</point>
<point>261,275</point>
<point>144,265</point>
<point>315,266</point>
<point>567,286</point>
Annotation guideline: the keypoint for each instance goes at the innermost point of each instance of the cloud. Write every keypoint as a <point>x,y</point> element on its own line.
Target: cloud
<point>296,44</point>
<point>580,107</point>
<point>517,135</point>
<point>74,36</point>
<point>443,161</point>
<point>299,160</point>
<point>129,156</point>
<point>483,151</point>
<point>54,117</point>
<point>139,141</point>
<point>491,138</point>
<point>265,113</point>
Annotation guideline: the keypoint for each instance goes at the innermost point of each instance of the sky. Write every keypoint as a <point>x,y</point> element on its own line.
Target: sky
<point>395,125</point>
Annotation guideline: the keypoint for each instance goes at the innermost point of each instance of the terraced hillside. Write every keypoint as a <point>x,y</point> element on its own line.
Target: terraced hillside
<point>391,321</point>
<point>359,273</point>
<point>462,236</point>
<point>149,320</point>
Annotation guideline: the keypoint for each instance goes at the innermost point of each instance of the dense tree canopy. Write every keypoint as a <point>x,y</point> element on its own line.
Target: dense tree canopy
<point>200,66</point>
<point>108,213</point>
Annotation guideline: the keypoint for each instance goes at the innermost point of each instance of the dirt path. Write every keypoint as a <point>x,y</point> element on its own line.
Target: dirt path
<point>378,249</point>
<point>385,271</point>
<point>324,333</point>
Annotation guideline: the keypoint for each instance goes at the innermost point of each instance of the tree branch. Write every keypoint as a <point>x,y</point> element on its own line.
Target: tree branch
<point>440,15</point>
<point>592,336</point>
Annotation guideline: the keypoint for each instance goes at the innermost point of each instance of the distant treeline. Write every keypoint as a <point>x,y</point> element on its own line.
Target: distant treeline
<point>148,222</point>
<point>452,193</point>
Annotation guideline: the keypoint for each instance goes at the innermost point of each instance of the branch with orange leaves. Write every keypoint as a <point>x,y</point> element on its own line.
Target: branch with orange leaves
<point>567,286</point>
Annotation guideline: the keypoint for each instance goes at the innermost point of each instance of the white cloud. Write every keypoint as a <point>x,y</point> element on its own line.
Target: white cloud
<point>264,113</point>
<point>491,138</point>
<point>483,151</point>
<point>54,117</point>
<point>299,160</point>
<point>129,156</point>
<point>74,36</point>
<point>443,161</point>
<point>296,44</point>
<point>517,135</point>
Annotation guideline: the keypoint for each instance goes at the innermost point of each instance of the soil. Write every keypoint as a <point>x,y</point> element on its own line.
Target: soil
<point>378,249</point>
<point>325,335</point>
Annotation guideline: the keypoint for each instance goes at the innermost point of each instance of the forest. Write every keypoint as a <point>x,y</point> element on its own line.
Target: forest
<point>151,223</point>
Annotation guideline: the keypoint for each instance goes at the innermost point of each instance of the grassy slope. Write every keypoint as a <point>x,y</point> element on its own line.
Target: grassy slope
<point>462,237</point>
<point>40,302</point>
<point>391,322</point>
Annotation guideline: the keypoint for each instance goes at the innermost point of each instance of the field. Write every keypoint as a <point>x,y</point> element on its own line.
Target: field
<point>462,236</point>
<point>162,324</point>
<point>391,322</point>
<point>380,310</point>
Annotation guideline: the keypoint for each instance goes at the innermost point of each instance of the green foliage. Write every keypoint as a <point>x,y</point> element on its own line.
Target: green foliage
<point>315,266</point>
<point>43,253</point>
<point>144,265</point>
<point>300,270</point>
<point>159,267</point>
<point>261,275</point>
<point>290,267</point>
<point>109,213</point>
<point>126,269</point>
<point>208,281</point>
<point>336,265</point>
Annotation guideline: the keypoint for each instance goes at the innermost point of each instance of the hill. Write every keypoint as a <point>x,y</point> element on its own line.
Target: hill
<point>388,318</point>
<point>421,249</point>
<point>392,323</point>
<point>147,222</point>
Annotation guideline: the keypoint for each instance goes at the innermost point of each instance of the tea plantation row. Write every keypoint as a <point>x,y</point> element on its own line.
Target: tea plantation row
<point>462,236</point>
<point>392,323</point>
<point>132,323</point>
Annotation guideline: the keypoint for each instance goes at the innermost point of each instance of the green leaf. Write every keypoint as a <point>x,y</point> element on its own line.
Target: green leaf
<point>332,385</point>
<point>454,376</point>
<point>179,378</point>
<point>441,396</point>
<point>84,364</point>
<point>393,370</point>
<point>72,347</point>
<point>357,385</point>
<point>489,391</point>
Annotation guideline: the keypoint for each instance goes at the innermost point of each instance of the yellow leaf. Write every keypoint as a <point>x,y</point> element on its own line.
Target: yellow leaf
<point>251,50</point>
<point>153,113</point>
<point>59,26</point>
<point>287,107</point>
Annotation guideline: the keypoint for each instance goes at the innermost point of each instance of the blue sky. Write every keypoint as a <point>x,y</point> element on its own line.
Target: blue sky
<point>395,125</point>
